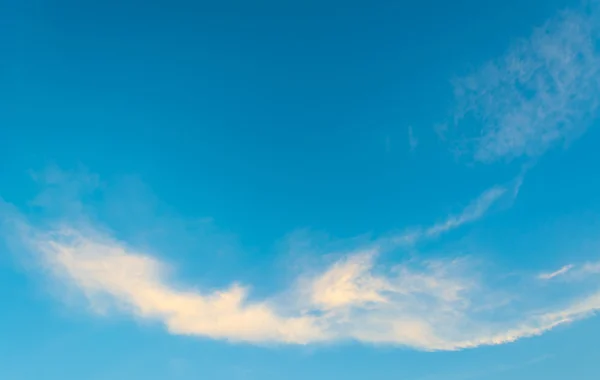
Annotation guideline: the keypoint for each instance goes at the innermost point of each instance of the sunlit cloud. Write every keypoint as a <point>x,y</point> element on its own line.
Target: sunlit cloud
<point>427,304</point>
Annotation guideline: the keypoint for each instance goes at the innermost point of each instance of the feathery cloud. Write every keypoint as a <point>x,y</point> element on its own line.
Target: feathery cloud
<point>429,305</point>
<point>474,211</point>
<point>544,90</point>
<point>113,276</point>
<point>442,304</point>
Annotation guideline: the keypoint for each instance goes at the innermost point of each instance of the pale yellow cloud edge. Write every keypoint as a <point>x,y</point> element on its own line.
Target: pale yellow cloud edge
<point>433,307</point>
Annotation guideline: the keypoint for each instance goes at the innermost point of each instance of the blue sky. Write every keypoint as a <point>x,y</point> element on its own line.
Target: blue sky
<point>300,190</point>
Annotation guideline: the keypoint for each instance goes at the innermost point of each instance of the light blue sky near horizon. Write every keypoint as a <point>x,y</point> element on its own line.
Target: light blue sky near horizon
<point>270,144</point>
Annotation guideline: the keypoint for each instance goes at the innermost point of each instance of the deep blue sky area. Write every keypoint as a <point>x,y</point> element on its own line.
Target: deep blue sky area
<point>280,105</point>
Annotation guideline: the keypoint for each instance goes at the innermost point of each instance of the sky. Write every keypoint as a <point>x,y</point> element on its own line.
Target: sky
<point>300,190</point>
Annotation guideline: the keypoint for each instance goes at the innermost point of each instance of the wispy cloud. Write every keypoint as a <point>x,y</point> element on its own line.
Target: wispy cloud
<point>573,272</point>
<point>591,268</point>
<point>112,275</point>
<point>544,90</point>
<point>474,211</point>
<point>441,304</point>
<point>559,272</point>
<point>428,305</point>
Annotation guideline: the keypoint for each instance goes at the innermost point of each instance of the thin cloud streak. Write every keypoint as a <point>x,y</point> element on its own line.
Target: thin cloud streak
<point>473,212</point>
<point>470,214</point>
<point>559,272</point>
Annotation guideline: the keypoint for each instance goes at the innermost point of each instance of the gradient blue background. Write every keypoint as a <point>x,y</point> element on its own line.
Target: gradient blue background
<point>268,117</point>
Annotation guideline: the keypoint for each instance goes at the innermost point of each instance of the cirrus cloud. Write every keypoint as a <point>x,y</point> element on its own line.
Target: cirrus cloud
<point>544,90</point>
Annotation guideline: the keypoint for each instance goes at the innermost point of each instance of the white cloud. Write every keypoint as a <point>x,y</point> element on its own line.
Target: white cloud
<point>107,271</point>
<point>347,283</point>
<point>559,272</point>
<point>429,305</point>
<point>542,91</point>
<point>474,211</point>
<point>442,304</point>
<point>573,273</point>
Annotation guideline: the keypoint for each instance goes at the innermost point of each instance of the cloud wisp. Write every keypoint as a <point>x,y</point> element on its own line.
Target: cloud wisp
<point>114,276</point>
<point>474,211</point>
<point>557,273</point>
<point>544,90</point>
<point>441,304</point>
<point>428,305</point>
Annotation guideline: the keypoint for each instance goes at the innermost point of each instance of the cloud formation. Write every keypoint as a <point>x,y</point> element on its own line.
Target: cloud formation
<point>428,305</point>
<point>544,90</point>
<point>111,275</point>
<point>435,304</point>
